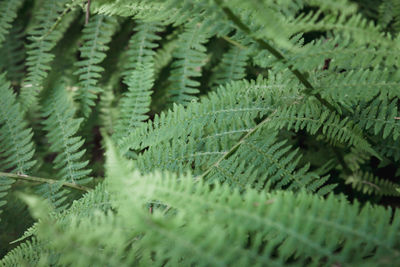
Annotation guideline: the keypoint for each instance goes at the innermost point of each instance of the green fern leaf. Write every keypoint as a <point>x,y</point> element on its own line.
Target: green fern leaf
<point>42,40</point>
<point>232,66</point>
<point>16,146</point>
<point>367,183</point>
<point>191,56</point>
<point>62,127</point>
<point>12,54</point>
<point>8,12</point>
<point>96,35</point>
<point>139,77</point>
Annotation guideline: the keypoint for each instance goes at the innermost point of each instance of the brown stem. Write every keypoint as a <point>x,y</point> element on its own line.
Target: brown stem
<point>87,12</point>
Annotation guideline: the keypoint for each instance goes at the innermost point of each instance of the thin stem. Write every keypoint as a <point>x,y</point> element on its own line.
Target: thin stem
<point>59,18</point>
<point>300,76</point>
<point>87,13</point>
<point>44,180</point>
<point>237,44</point>
<point>263,44</point>
<point>237,145</point>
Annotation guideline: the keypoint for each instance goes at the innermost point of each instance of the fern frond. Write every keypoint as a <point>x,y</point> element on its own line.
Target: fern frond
<point>390,148</point>
<point>179,144</point>
<point>142,9</point>
<point>139,77</point>
<point>16,146</point>
<point>191,223</point>
<point>8,12</point>
<point>265,217</point>
<point>12,54</point>
<point>164,55</point>
<point>237,103</point>
<point>389,15</point>
<point>262,161</point>
<point>308,115</point>
<point>368,183</point>
<point>190,57</point>
<point>96,36</point>
<point>329,222</point>
<point>42,40</point>
<point>353,86</point>
<point>28,253</point>
<point>379,117</point>
<point>232,66</point>
<point>342,54</point>
<point>61,128</point>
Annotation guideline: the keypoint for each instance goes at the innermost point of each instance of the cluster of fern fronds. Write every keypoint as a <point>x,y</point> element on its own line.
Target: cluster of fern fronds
<point>199,133</point>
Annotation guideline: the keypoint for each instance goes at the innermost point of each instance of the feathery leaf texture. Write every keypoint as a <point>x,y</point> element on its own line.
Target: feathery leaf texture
<point>226,133</point>
<point>12,54</point>
<point>191,57</point>
<point>8,13</point>
<point>139,77</point>
<point>389,15</point>
<point>96,36</point>
<point>262,227</point>
<point>232,66</point>
<point>16,146</point>
<point>370,184</point>
<point>62,128</point>
<point>42,39</point>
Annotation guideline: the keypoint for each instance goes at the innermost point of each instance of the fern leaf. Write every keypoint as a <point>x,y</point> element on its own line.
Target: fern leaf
<point>12,54</point>
<point>232,66</point>
<point>96,35</point>
<point>141,9</point>
<point>139,77</point>
<point>16,146</point>
<point>8,12</point>
<point>389,13</point>
<point>367,183</point>
<point>329,222</point>
<point>216,126</point>
<point>379,116</point>
<point>190,56</point>
<point>28,253</point>
<point>42,40</point>
<point>62,127</point>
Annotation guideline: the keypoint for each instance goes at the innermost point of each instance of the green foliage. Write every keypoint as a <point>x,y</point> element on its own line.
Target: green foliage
<point>199,133</point>
<point>17,149</point>
<point>96,35</point>
<point>8,11</point>
<point>42,39</point>
<point>139,77</point>
<point>61,128</point>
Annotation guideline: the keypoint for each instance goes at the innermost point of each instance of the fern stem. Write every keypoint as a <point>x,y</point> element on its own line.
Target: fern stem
<point>263,44</point>
<point>300,76</point>
<point>67,9</point>
<point>236,146</point>
<point>87,12</point>
<point>233,42</point>
<point>43,180</point>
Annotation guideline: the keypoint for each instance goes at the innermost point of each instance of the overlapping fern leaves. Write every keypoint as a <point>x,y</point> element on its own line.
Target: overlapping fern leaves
<point>61,128</point>
<point>42,39</point>
<point>241,132</point>
<point>270,230</point>
<point>8,11</point>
